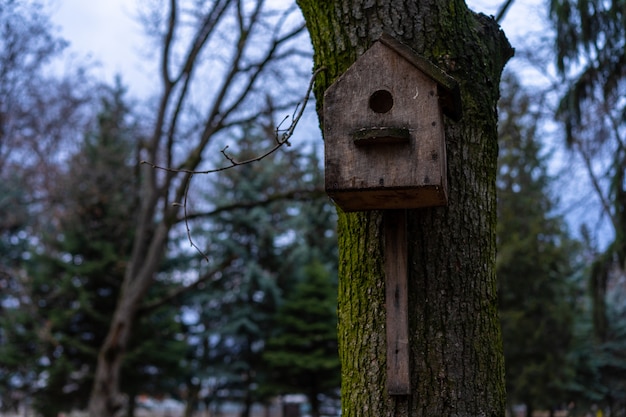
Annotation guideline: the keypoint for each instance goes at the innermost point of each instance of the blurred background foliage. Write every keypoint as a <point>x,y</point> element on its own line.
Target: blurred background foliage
<point>263,325</point>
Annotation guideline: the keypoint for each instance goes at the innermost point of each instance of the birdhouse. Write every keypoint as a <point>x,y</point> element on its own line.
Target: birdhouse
<point>383,130</point>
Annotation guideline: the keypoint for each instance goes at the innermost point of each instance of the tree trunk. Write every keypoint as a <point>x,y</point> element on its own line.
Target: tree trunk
<point>247,401</point>
<point>105,399</point>
<point>456,354</point>
<point>193,396</point>
<point>314,402</point>
<point>131,405</point>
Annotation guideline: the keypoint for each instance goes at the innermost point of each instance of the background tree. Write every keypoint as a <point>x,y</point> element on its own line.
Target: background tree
<point>271,218</point>
<point>76,278</point>
<point>39,114</point>
<point>42,114</point>
<point>302,352</point>
<point>77,271</point>
<point>535,263</point>
<point>188,123</point>
<point>591,57</point>
<point>456,353</point>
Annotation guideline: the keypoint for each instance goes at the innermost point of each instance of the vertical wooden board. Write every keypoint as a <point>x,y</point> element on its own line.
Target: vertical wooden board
<point>396,293</point>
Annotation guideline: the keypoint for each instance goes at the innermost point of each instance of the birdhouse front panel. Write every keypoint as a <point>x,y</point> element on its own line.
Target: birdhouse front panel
<point>384,136</point>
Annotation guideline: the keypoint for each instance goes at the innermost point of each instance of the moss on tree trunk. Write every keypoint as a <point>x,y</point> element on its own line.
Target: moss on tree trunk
<point>456,355</point>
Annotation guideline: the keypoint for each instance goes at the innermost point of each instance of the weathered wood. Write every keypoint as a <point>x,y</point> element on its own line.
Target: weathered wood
<point>389,96</point>
<point>396,301</point>
<point>381,136</point>
<point>449,94</point>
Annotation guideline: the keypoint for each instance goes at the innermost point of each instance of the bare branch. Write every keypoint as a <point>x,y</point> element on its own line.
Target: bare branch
<point>281,139</point>
<point>503,9</point>
<point>209,24</point>
<point>191,242</point>
<point>259,67</point>
<point>201,37</point>
<point>179,291</point>
<point>595,182</point>
<point>169,36</point>
<point>281,136</point>
<point>294,195</point>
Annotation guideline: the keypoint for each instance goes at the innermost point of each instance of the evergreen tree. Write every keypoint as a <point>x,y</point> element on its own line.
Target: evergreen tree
<point>302,352</point>
<point>18,347</point>
<point>591,57</point>
<point>261,222</point>
<point>77,274</point>
<point>534,263</point>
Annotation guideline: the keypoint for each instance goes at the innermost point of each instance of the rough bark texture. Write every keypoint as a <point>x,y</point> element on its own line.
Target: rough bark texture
<point>456,355</point>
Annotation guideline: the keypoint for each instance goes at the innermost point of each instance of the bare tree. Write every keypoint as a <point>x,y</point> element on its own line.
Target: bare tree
<point>222,63</point>
<point>41,111</point>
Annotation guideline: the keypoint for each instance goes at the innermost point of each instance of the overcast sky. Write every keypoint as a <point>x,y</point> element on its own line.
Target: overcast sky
<point>108,31</point>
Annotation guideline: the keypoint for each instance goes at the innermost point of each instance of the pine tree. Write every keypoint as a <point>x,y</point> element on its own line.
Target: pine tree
<point>302,352</point>
<point>263,222</point>
<point>78,273</point>
<point>591,57</point>
<point>534,263</point>
<point>18,349</point>
<point>76,276</point>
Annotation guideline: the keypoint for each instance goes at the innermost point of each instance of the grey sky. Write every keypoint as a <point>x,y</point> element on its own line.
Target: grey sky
<point>107,31</point>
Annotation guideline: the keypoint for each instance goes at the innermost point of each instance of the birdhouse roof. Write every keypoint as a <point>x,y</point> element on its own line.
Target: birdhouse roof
<point>449,93</point>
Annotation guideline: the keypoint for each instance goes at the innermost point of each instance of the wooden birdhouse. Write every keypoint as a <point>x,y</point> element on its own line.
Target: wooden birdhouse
<point>383,130</point>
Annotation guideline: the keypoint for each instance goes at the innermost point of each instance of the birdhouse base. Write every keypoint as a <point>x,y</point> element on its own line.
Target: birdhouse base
<point>389,198</point>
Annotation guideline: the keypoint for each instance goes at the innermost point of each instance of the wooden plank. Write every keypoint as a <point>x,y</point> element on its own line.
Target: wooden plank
<point>396,293</point>
<point>381,136</point>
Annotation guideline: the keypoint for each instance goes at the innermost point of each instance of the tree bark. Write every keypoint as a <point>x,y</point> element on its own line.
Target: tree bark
<point>106,399</point>
<point>457,365</point>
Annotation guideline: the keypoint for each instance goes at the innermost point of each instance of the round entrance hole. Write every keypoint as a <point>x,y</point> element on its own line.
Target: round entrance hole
<point>381,101</point>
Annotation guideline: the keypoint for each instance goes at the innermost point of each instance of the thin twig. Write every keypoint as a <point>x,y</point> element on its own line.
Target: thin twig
<point>595,182</point>
<point>191,242</point>
<point>179,291</point>
<point>280,141</point>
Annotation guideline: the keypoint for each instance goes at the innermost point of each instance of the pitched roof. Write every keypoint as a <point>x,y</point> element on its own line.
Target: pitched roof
<point>449,92</point>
